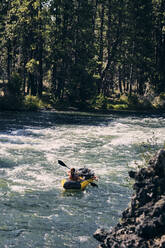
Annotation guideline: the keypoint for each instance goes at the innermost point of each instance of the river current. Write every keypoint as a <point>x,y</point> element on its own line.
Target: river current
<point>35,212</point>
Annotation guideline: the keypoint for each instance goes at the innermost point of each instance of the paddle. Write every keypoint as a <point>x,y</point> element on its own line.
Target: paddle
<point>64,165</point>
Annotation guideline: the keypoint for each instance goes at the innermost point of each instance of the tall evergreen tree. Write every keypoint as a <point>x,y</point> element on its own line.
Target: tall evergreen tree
<point>159,37</point>
<point>140,48</point>
<point>83,48</point>
<point>4,5</point>
<point>72,50</point>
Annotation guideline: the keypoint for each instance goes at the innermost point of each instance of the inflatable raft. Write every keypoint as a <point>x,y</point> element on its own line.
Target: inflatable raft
<point>87,178</point>
<point>76,185</point>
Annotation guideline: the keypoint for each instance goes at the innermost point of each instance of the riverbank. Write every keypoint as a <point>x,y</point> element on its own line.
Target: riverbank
<point>102,105</point>
<point>143,222</point>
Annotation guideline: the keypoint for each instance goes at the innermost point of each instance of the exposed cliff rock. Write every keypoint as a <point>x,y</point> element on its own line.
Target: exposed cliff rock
<point>143,222</point>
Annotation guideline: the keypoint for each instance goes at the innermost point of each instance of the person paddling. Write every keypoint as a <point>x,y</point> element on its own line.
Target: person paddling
<point>73,175</point>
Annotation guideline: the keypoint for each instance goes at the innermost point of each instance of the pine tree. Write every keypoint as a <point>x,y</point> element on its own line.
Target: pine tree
<point>159,38</point>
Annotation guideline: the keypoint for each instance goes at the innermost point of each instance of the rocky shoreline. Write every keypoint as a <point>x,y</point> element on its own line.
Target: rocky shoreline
<point>142,224</point>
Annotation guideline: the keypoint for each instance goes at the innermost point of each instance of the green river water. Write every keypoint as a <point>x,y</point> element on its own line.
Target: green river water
<point>35,212</point>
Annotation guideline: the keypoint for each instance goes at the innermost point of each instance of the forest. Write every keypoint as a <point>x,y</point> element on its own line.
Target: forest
<point>103,54</point>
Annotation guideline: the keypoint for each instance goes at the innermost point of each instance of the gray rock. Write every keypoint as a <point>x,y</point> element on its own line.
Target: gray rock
<point>143,223</point>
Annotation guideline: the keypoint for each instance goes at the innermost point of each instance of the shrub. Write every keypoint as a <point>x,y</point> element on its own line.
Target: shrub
<point>32,103</point>
<point>123,99</point>
<point>120,106</point>
<point>101,101</point>
<point>110,106</point>
<point>159,101</point>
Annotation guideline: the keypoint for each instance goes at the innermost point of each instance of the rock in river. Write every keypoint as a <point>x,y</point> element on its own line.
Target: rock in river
<point>143,223</point>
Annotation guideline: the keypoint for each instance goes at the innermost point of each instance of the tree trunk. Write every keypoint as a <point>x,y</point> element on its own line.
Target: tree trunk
<point>120,81</point>
<point>101,48</point>
<point>9,59</point>
<point>40,77</point>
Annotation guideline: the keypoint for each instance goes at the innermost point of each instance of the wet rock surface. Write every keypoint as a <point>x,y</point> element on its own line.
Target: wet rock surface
<point>143,222</point>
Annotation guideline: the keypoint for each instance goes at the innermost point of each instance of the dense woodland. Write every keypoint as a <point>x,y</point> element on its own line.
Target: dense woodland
<point>78,51</point>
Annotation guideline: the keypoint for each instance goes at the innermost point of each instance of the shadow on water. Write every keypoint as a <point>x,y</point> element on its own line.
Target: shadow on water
<point>21,120</point>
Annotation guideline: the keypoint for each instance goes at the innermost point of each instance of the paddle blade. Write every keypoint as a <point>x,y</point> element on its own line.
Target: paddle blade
<point>94,185</point>
<point>62,164</point>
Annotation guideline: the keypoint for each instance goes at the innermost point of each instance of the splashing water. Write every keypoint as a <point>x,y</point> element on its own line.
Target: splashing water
<point>34,210</point>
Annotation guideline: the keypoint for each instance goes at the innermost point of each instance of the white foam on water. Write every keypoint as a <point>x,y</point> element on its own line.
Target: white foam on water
<point>78,146</point>
<point>34,177</point>
<point>17,188</point>
<point>83,239</point>
<point>29,160</point>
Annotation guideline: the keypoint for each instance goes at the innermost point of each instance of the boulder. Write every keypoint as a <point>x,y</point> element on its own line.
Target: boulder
<point>143,222</point>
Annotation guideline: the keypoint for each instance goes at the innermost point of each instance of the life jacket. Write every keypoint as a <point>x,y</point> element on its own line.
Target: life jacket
<point>73,177</point>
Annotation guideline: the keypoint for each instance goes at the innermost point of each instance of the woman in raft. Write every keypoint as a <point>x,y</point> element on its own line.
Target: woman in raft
<point>73,175</point>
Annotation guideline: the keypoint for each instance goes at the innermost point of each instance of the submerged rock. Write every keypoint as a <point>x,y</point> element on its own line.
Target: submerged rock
<point>143,222</point>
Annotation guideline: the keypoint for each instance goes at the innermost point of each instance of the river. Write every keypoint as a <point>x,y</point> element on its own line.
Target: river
<point>35,212</point>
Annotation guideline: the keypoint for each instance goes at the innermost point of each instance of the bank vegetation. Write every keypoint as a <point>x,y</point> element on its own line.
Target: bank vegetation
<point>90,54</point>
